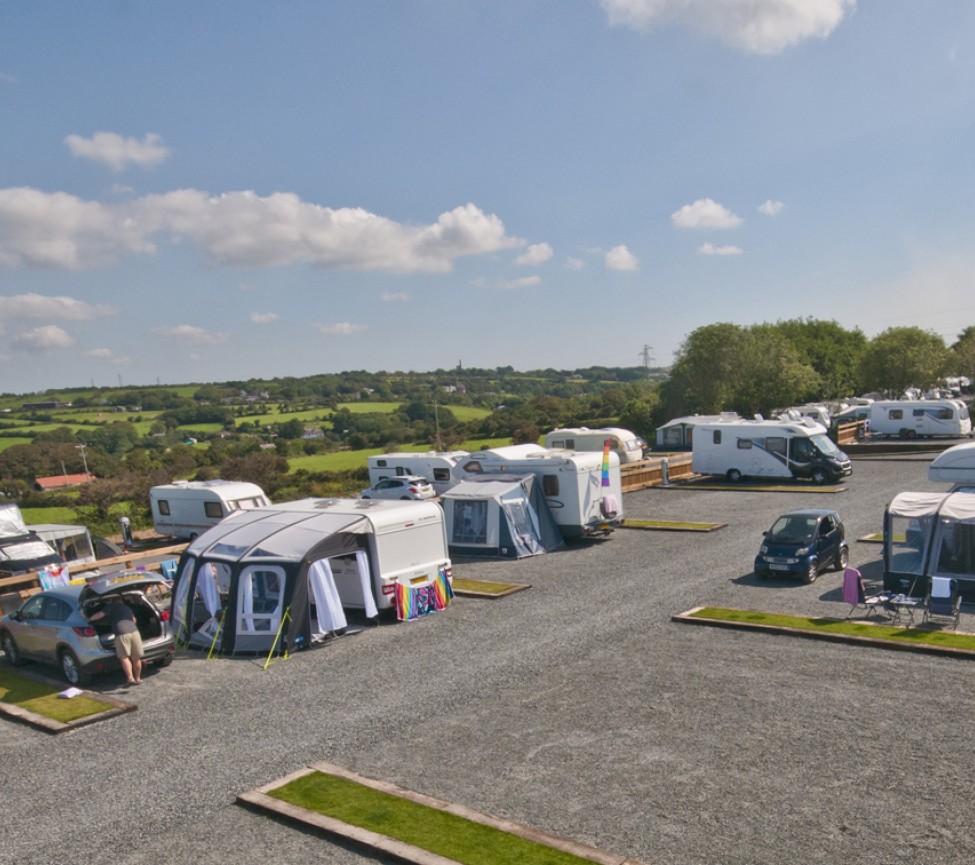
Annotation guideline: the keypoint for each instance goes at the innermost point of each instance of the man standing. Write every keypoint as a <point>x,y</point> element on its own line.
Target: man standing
<point>128,640</point>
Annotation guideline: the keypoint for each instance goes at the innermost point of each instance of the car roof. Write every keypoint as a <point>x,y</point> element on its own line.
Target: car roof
<point>810,512</point>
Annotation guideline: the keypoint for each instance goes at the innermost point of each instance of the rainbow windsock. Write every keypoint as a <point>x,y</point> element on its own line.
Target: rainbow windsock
<point>606,446</point>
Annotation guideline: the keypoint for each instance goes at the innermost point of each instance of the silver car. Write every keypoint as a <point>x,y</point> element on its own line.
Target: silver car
<point>53,626</point>
<point>406,487</point>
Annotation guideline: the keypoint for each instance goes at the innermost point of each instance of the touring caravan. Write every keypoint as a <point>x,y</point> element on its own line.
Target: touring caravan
<point>584,496</point>
<point>185,509</point>
<point>435,466</point>
<point>955,466</point>
<point>626,445</point>
<point>678,434</point>
<point>278,577</point>
<point>768,449</point>
<point>920,417</point>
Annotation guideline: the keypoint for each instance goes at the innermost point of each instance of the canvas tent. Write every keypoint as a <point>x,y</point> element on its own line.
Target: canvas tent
<point>280,577</point>
<point>499,516</point>
<point>929,535</point>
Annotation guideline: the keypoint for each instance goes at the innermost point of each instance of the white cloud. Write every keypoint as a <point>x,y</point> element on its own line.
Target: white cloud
<point>43,338</point>
<point>98,352</point>
<point>705,213</point>
<point>192,335</point>
<point>523,282</point>
<point>264,317</point>
<point>771,208</point>
<point>238,229</point>
<point>754,26</point>
<point>41,306</point>
<point>574,264</point>
<point>107,354</point>
<point>710,249</point>
<point>118,153</point>
<point>395,297</point>
<point>537,253</point>
<point>340,329</point>
<point>620,258</point>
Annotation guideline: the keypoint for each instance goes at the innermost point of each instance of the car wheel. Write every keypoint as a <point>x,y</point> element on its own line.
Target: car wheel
<point>72,669</point>
<point>404,498</point>
<point>733,475</point>
<point>14,658</point>
<point>820,476</point>
<point>912,434</point>
<point>811,572</point>
<point>843,559</point>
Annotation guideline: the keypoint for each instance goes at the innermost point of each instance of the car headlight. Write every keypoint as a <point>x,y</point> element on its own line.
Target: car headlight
<point>764,550</point>
<point>803,552</point>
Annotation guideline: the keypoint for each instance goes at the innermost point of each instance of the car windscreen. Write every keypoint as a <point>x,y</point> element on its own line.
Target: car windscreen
<point>793,530</point>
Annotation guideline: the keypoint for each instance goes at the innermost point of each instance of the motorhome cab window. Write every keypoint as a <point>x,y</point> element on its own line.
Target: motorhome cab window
<point>163,507</point>
<point>550,485</point>
<point>213,509</point>
<point>896,413</point>
<point>744,444</point>
<point>775,444</point>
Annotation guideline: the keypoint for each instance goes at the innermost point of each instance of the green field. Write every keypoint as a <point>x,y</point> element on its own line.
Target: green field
<point>10,442</point>
<point>341,461</point>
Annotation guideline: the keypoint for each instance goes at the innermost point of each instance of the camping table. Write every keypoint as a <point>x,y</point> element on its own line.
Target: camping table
<point>901,605</point>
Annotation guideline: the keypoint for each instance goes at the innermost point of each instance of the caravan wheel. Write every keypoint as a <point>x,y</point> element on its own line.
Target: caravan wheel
<point>733,475</point>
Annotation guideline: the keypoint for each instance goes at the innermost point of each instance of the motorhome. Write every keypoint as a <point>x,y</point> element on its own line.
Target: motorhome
<point>584,495</point>
<point>768,449</point>
<point>955,466</point>
<point>269,575</point>
<point>21,548</point>
<point>186,509</point>
<point>678,434</point>
<point>627,446</point>
<point>920,417</point>
<point>435,466</point>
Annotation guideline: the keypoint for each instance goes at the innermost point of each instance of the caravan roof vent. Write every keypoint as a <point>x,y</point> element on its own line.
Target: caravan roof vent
<point>322,504</point>
<point>365,504</point>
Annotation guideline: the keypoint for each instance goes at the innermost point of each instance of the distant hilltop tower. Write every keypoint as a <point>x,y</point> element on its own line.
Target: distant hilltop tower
<point>646,355</point>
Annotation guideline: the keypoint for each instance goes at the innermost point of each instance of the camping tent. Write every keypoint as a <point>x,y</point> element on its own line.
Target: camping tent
<point>499,516</point>
<point>929,535</point>
<point>277,577</point>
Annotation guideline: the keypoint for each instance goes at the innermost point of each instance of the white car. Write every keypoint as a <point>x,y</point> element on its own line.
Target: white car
<point>406,487</point>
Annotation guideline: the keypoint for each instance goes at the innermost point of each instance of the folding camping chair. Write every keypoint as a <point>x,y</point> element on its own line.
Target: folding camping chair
<point>856,595</point>
<point>943,603</point>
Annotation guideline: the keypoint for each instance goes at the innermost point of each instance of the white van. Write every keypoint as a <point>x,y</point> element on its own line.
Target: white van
<point>572,483</point>
<point>768,449</point>
<point>627,445</point>
<point>435,466</point>
<point>920,417</point>
<point>185,509</point>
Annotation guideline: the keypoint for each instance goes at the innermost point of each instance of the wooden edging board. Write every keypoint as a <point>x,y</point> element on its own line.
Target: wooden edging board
<point>49,725</point>
<point>260,800</point>
<point>671,526</point>
<point>689,618</point>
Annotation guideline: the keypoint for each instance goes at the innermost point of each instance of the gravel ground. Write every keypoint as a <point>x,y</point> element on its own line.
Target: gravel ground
<point>576,707</point>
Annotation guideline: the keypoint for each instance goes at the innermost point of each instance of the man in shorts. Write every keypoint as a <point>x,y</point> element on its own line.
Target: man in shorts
<point>128,640</point>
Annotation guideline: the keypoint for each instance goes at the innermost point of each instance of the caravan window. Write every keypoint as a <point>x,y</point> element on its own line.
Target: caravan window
<point>895,414</point>
<point>944,414</point>
<point>550,485</point>
<point>775,445</point>
<point>744,444</point>
<point>213,510</point>
<point>163,507</point>
<point>716,436</point>
<point>441,474</point>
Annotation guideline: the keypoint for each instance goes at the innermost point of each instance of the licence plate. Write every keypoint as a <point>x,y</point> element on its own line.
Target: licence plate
<point>418,581</point>
<point>779,567</point>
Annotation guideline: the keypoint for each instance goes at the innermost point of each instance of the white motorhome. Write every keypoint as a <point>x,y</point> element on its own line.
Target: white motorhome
<point>185,509</point>
<point>435,466</point>
<point>768,449</point>
<point>572,483</point>
<point>920,417</point>
<point>627,446</point>
<point>955,466</point>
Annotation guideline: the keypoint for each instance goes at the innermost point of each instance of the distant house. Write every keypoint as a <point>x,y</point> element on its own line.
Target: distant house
<point>43,406</point>
<point>56,482</point>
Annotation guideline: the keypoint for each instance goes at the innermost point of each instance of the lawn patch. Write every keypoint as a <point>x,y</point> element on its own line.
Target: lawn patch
<point>485,588</point>
<point>844,630</point>
<point>671,525</point>
<point>411,825</point>
<point>35,701</point>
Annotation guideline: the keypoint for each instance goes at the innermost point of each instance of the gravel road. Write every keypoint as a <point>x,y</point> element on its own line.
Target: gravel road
<point>577,707</point>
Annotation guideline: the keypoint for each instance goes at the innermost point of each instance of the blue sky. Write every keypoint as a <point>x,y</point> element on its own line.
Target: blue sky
<point>233,189</point>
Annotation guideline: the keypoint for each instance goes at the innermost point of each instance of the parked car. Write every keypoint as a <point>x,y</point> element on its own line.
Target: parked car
<point>406,487</point>
<point>53,626</point>
<point>803,543</point>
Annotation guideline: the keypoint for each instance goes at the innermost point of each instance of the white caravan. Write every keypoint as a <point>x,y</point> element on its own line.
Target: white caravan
<point>768,449</point>
<point>920,417</point>
<point>435,466</point>
<point>572,483</point>
<point>628,446</point>
<point>185,509</point>
<point>955,466</point>
<point>678,434</point>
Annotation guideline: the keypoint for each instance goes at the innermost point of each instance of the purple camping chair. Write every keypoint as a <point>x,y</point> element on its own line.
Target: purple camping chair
<point>856,595</point>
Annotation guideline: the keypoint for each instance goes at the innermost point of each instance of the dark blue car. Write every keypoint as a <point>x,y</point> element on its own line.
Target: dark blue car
<point>802,543</point>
